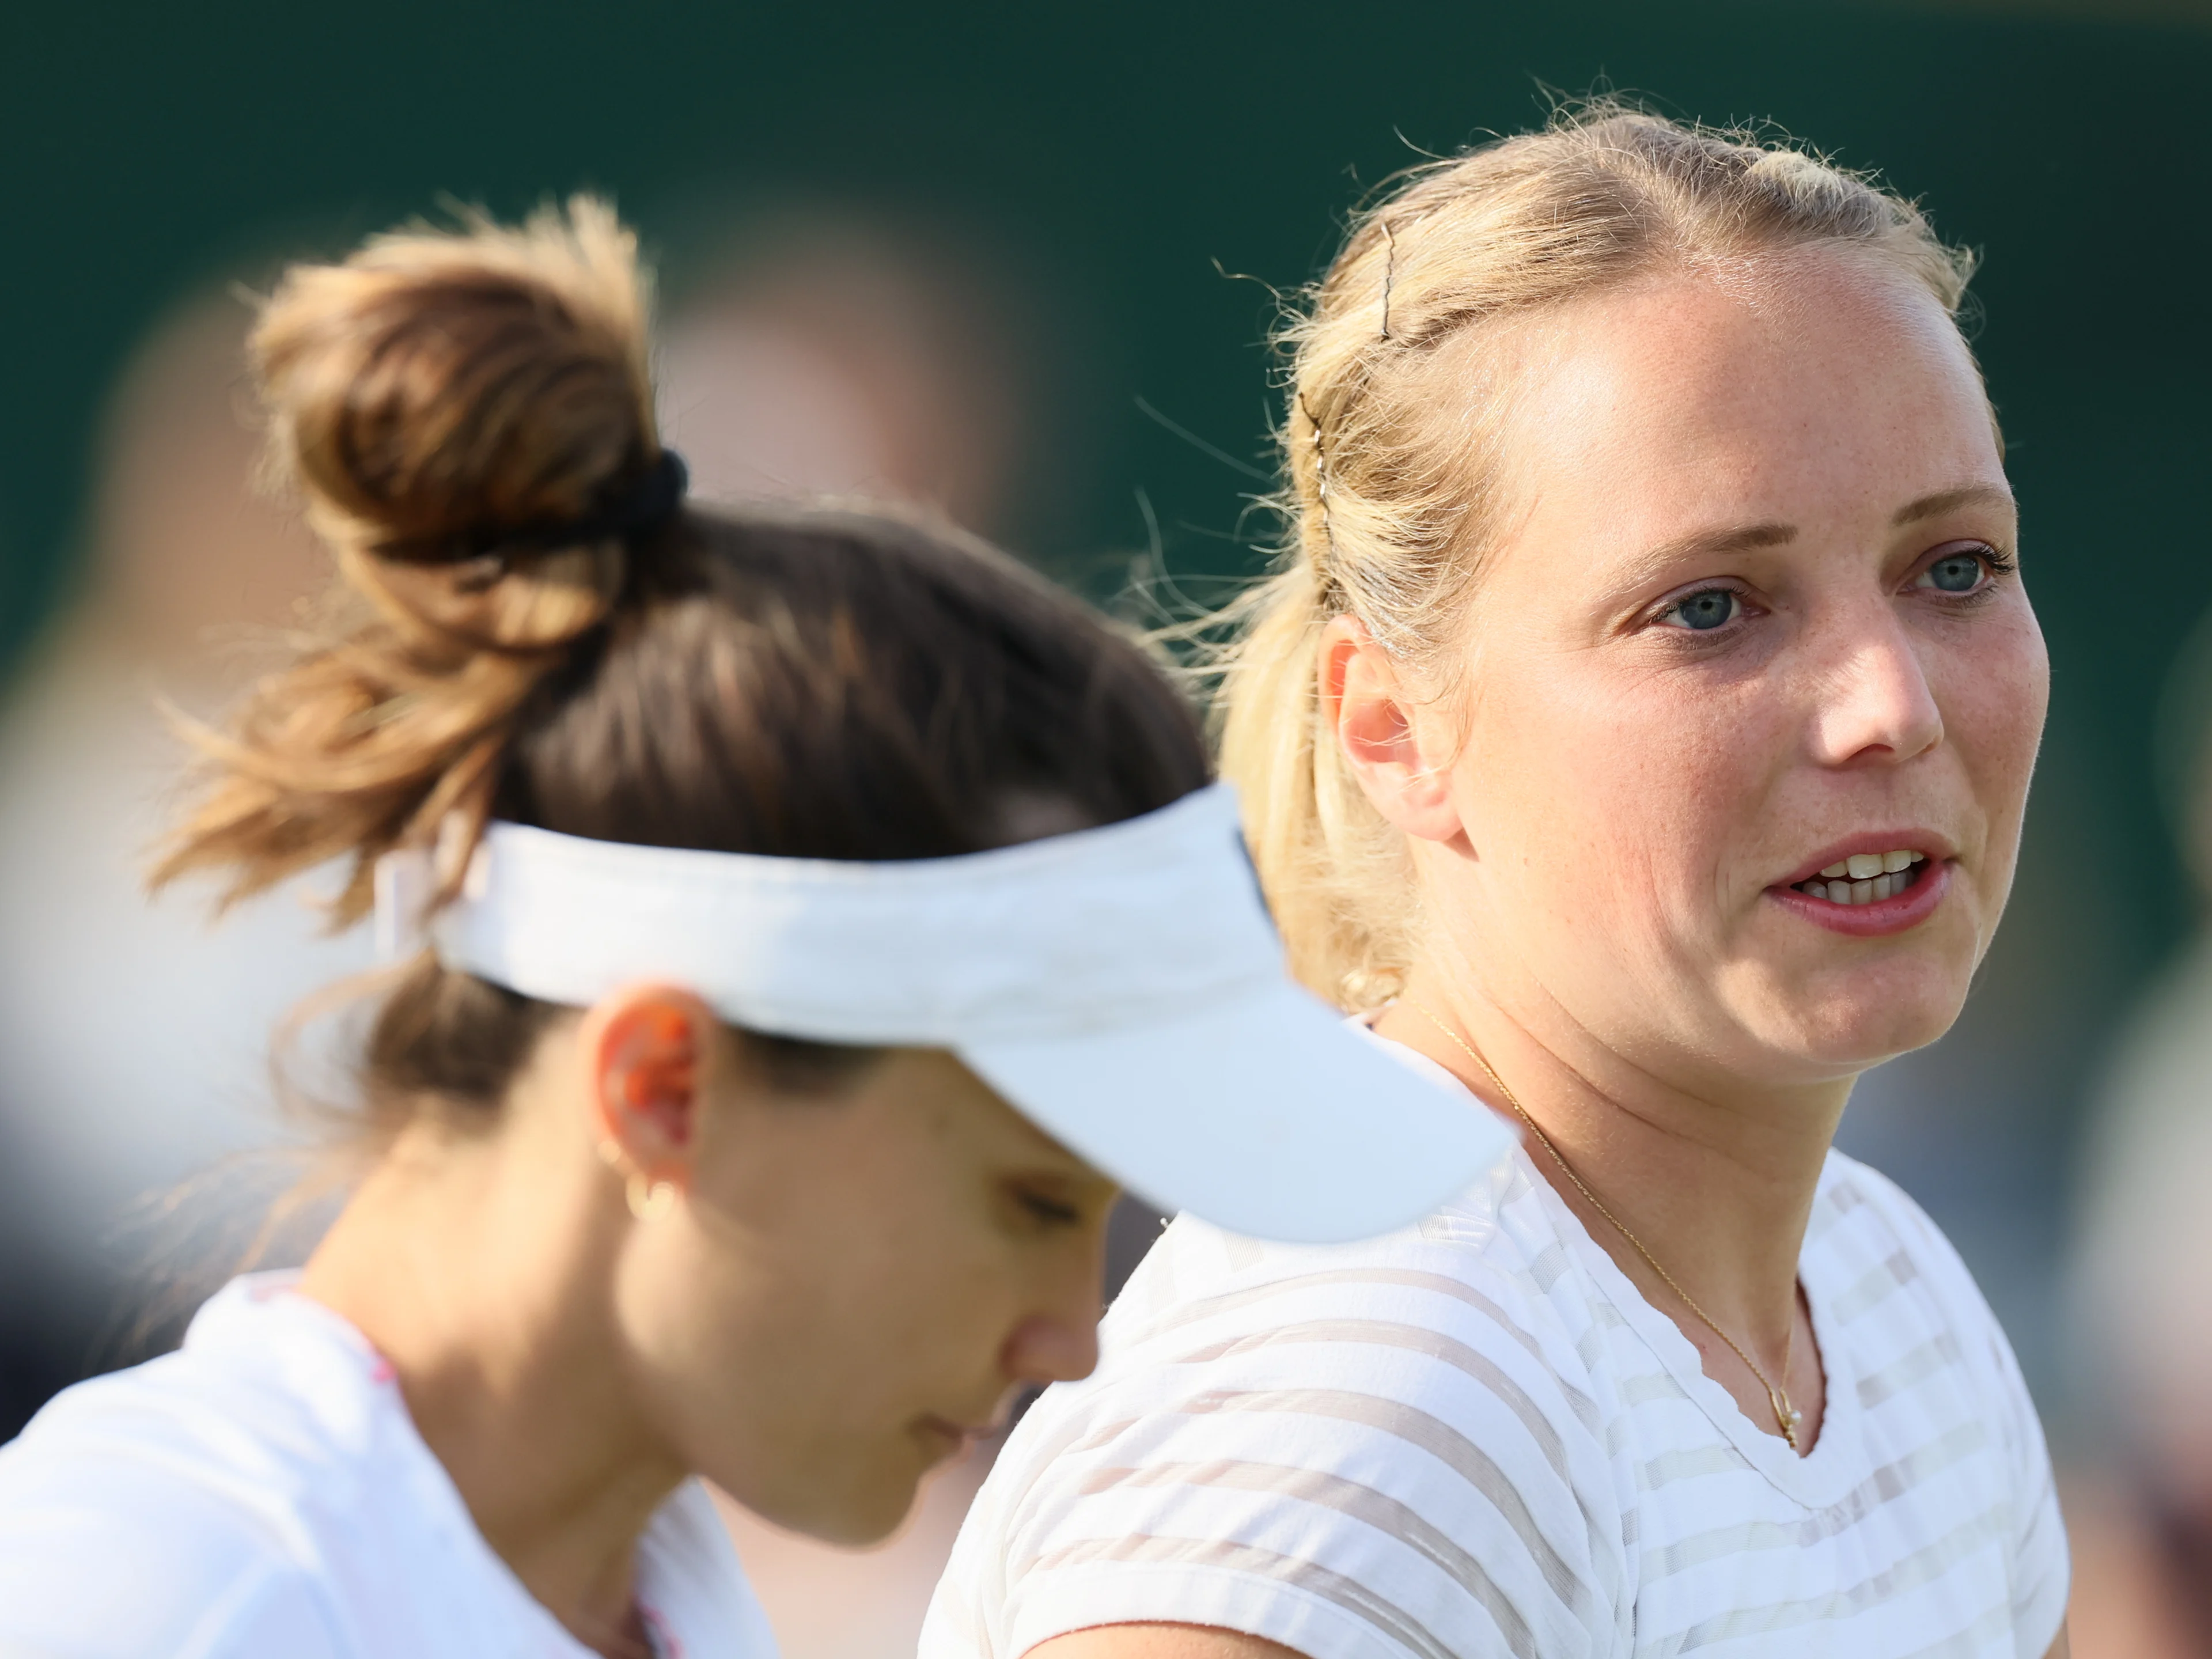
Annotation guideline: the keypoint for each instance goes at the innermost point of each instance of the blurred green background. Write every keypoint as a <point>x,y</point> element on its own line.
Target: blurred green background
<point>1119,168</point>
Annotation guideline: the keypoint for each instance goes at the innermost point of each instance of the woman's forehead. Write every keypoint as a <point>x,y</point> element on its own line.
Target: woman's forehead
<point>1782,392</point>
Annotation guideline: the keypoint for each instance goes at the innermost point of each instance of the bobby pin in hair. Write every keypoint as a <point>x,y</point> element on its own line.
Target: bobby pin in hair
<point>1389,274</point>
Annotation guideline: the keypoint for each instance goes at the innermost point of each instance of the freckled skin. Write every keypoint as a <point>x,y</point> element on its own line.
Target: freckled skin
<point>1629,791</point>
<point>1599,815</point>
<point>1706,650</point>
<point>1603,802</point>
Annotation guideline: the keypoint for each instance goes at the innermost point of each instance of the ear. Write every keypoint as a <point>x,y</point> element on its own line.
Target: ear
<point>1391,741</point>
<point>649,1050</point>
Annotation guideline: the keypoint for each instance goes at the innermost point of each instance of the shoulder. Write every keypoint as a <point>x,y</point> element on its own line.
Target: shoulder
<point>1878,1242</point>
<point>1918,1327</point>
<point>1902,1297</point>
<point>1848,1186</point>
<point>121,1482</point>
<point>1487,1270</point>
<point>1467,1313</point>
<point>1390,1448</point>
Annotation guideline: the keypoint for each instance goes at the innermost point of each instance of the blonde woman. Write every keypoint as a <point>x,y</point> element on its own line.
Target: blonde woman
<point>794,913</point>
<point>1637,733</point>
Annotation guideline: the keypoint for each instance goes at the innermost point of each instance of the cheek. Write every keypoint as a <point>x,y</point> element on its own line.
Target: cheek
<point>768,1306</point>
<point>885,1292</point>
<point>855,1283</point>
<point>1994,697</point>
<point>1614,792</point>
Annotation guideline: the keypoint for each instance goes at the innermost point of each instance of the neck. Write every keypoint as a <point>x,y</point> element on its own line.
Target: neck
<point>1717,1184</point>
<point>476,1266</point>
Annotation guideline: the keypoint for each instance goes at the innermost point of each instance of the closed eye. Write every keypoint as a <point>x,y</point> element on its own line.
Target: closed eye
<point>1039,1201</point>
<point>1046,1211</point>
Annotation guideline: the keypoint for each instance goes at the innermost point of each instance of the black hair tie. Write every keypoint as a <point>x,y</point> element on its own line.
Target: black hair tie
<point>652,499</point>
<point>648,504</point>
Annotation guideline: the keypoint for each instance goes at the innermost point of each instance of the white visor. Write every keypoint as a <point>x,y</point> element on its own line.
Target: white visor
<point>1123,986</point>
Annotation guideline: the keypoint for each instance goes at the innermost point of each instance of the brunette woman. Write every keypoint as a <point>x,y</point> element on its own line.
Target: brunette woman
<point>800,920</point>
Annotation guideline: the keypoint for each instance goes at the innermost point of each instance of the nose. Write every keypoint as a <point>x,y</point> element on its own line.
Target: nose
<point>1874,705</point>
<point>1052,1348</point>
<point>1056,1341</point>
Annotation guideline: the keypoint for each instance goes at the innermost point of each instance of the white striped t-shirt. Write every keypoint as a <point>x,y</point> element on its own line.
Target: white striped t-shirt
<point>1476,1437</point>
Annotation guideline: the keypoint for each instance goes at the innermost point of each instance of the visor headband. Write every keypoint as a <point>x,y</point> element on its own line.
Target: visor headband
<point>1156,918</point>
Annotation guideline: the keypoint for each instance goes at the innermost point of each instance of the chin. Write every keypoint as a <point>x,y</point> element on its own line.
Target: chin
<point>1853,1028</point>
<point>852,1507</point>
<point>1839,1017</point>
<point>868,1512</point>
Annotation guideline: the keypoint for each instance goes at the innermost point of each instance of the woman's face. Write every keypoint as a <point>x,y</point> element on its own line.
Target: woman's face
<point>1754,617</point>
<point>854,1283</point>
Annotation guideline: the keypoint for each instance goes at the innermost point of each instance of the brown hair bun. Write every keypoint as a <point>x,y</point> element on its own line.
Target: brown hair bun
<point>533,625</point>
<point>444,401</point>
<point>437,390</point>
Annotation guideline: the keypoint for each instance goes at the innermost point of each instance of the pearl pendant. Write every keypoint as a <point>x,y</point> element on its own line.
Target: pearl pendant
<point>1786,1416</point>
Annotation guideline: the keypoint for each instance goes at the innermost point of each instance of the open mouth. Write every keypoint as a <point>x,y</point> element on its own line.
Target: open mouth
<point>1866,878</point>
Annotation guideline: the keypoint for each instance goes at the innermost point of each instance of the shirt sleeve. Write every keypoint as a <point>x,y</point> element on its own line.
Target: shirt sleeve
<point>1373,1470</point>
<point>90,1570</point>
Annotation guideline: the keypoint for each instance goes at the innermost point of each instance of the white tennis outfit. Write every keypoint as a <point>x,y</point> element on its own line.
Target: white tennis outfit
<point>1476,1437</point>
<point>263,1494</point>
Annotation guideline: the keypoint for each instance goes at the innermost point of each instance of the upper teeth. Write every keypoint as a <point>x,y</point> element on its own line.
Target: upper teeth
<point>1864,877</point>
<point>1865,867</point>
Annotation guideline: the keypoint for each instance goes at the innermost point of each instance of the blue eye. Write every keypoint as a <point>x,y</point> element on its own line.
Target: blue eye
<point>1956,573</point>
<point>1704,610</point>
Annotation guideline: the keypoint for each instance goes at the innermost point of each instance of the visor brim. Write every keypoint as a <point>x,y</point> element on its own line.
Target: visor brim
<point>1268,1117</point>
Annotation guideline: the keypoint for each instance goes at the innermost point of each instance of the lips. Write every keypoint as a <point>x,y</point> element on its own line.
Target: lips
<point>956,1438</point>
<point>1875,883</point>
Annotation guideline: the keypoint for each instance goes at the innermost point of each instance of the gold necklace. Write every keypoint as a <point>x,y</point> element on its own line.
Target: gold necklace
<point>1786,1417</point>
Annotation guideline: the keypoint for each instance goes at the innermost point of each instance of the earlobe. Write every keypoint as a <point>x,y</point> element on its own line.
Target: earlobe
<point>648,1200</point>
<point>1383,732</point>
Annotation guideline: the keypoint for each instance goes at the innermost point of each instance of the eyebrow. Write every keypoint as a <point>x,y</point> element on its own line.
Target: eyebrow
<point>1737,539</point>
<point>1740,539</point>
<point>1944,501</point>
